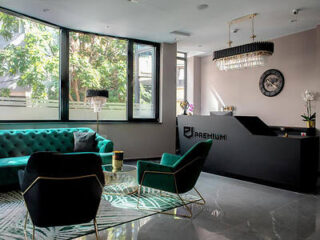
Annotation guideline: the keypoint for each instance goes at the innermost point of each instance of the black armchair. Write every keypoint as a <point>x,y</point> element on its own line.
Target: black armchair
<point>62,189</point>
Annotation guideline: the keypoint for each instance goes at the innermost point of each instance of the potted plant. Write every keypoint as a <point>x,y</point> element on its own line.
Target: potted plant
<point>191,108</point>
<point>184,105</point>
<point>309,117</point>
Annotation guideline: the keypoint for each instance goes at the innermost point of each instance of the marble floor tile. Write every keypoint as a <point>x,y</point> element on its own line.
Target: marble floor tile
<point>235,210</point>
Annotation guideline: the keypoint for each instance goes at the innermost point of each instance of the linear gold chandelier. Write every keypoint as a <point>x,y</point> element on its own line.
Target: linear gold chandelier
<point>243,56</point>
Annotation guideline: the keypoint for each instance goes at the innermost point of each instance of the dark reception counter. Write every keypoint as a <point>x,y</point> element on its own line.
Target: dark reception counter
<point>246,148</point>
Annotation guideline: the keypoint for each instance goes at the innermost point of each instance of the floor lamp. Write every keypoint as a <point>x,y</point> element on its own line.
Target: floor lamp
<point>96,99</point>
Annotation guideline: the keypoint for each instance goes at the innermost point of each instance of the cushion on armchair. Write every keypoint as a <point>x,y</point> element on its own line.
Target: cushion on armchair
<point>168,159</point>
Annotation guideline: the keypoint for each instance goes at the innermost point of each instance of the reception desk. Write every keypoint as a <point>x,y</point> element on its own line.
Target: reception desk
<point>246,148</point>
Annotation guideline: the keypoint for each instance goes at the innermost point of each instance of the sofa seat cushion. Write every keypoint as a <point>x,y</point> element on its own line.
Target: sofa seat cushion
<point>8,170</point>
<point>14,162</point>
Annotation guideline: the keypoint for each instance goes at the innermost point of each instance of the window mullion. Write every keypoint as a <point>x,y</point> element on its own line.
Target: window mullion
<point>64,74</point>
<point>130,81</point>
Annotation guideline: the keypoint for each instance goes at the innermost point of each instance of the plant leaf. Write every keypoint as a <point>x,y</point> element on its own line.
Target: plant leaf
<point>313,116</point>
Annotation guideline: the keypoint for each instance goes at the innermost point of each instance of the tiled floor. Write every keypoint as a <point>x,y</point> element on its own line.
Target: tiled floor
<point>235,210</point>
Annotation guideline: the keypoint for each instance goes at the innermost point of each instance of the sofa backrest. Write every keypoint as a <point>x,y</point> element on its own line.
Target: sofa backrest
<point>24,142</point>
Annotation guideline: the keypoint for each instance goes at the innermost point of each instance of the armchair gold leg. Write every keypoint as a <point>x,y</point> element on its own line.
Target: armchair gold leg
<point>96,228</point>
<point>184,202</point>
<point>33,231</point>
<point>186,207</point>
<point>139,193</point>
<point>25,227</point>
<point>33,228</point>
<point>203,201</point>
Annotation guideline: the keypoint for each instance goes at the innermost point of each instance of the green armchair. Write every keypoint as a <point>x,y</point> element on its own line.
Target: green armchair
<point>175,174</point>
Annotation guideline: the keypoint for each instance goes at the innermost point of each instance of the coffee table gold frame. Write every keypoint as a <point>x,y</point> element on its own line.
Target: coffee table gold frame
<point>107,174</point>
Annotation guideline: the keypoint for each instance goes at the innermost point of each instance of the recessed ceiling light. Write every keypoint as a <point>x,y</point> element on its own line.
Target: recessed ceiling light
<point>202,6</point>
<point>45,10</point>
<point>133,1</point>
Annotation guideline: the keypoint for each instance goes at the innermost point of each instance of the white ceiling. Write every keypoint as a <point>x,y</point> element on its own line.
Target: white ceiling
<point>153,20</point>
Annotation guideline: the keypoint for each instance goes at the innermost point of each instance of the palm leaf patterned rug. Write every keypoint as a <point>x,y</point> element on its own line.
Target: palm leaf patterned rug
<point>114,210</point>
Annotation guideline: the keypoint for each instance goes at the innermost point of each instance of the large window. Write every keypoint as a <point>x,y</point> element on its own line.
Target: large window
<point>144,85</point>
<point>29,69</point>
<point>181,81</point>
<point>45,71</point>
<point>97,62</point>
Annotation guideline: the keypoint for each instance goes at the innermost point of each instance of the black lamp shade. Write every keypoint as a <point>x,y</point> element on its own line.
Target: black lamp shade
<point>97,93</point>
<point>247,48</point>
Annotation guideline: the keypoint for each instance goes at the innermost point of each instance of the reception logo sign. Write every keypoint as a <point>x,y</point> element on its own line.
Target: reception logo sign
<point>189,132</point>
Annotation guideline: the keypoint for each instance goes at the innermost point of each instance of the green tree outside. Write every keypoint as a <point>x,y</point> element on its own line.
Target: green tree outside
<point>95,61</point>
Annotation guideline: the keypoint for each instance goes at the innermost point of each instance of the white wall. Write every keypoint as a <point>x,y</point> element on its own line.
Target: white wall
<point>139,139</point>
<point>297,56</point>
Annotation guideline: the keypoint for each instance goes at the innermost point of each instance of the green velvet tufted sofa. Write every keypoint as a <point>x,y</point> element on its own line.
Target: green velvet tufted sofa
<point>16,146</point>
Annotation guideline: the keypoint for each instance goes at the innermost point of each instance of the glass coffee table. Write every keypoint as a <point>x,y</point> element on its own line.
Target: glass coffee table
<point>120,182</point>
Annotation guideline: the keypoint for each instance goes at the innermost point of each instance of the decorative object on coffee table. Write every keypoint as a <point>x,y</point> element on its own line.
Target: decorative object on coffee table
<point>309,117</point>
<point>117,160</point>
<point>96,99</point>
<point>120,182</point>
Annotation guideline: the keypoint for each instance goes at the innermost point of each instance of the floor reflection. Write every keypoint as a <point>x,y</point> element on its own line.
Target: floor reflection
<point>235,210</point>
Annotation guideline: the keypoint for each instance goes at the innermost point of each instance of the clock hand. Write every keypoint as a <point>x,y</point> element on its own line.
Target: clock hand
<point>272,84</point>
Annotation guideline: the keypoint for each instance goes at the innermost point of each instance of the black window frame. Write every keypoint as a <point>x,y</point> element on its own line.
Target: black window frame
<point>64,75</point>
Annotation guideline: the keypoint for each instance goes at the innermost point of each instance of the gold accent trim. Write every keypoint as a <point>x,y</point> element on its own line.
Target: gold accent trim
<point>33,228</point>
<point>135,190</point>
<point>57,179</point>
<point>243,18</point>
<point>96,228</point>
<point>184,201</point>
<point>61,178</point>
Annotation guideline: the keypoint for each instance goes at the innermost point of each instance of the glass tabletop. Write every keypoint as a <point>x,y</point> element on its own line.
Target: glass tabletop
<point>125,168</point>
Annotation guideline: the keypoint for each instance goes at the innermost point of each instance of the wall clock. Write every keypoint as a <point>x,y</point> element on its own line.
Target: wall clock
<point>271,82</point>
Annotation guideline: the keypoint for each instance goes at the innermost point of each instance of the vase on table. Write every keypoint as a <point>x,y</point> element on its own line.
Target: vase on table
<point>311,124</point>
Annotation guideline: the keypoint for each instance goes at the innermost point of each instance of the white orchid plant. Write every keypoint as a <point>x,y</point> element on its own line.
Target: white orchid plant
<point>308,97</point>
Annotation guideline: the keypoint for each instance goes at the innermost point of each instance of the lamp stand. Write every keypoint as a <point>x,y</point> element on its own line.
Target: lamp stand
<point>97,122</point>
